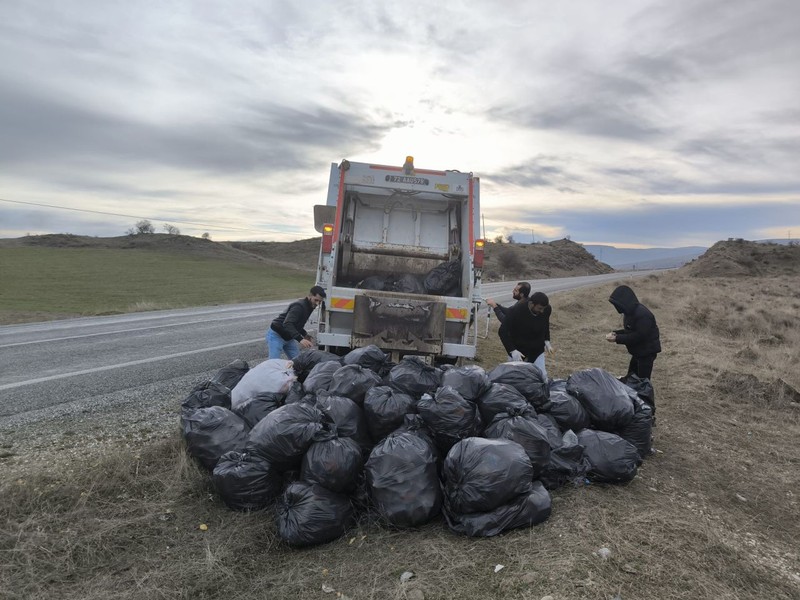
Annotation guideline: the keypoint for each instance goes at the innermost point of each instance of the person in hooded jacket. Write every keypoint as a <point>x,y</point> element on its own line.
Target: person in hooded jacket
<point>639,334</point>
<point>286,333</point>
<point>528,326</point>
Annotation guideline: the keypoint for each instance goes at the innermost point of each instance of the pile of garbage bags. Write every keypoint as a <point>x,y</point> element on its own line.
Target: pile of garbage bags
<point>442,280</point>
<point>327,438</point>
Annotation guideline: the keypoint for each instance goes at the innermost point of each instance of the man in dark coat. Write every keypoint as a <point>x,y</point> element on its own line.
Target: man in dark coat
<point>520,293</point>
<point>639,334</point>
<point>529,330</point>
<point>286,333</point>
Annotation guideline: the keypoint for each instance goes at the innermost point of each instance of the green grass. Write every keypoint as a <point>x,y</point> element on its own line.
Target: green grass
<point>46,283</point>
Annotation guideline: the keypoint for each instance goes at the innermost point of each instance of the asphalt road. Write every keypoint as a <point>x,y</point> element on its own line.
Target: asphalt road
<point>55,362</point>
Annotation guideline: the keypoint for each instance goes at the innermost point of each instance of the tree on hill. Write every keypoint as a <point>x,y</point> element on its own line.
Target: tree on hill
<point>142,227</point>
<point>510,262</point>
<point>171,229</point>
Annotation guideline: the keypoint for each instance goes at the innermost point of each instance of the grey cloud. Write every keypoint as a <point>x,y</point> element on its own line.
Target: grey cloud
<point>725,35</point>
<point>658,182</point>
<point>609,119</point>
<point>538,173</point>
<point>40,130</point>
<point>660,223</point>
<point>606,105</point>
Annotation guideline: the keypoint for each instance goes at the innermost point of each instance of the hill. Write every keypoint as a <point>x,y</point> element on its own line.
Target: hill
<point>740,258</point>
<point>559,258</point>
<point>644,258</point>
<point>298,255</point>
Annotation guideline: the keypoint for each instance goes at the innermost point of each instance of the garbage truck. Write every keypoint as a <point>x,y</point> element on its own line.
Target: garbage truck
<point>401,260</point>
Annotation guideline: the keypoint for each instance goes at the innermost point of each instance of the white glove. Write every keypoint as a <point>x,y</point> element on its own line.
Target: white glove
<point>517,356</point>
<point>548,347</point>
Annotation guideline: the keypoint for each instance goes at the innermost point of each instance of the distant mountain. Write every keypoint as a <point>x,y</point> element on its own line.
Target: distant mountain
<point>781,241</point>
<point>644,258</point>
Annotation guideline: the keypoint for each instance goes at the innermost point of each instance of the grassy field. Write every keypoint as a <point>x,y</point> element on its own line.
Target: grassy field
<point>713,514</point>
<point>47,283</point>
<point>57,276</point>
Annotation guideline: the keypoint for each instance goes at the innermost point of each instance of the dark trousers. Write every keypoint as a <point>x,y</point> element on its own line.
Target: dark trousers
<point>505,338</point>
<point>642,366</point>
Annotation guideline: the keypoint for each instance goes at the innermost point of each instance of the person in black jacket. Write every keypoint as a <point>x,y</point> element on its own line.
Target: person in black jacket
<point>529,329</point>
<point>286,333</point>
<point>520,293</point>
<point>639,334</point>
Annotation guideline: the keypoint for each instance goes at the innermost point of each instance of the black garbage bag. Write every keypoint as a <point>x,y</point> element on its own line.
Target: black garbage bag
<point>347,416</point>
<point>285,434</point>
<point>480,475</point>
<point>231,374</point>
<point>304,362</point>
<point>211,432</point>
<point>320,377</point>
<point>415,425</point>
<point>501,398</point>
<point>566,409</point>
<point>207,394</point>
<point>443,278</point>
<point>370,357</point>
<point>309,514</point>
<point>334,463</point>
<point>256,408</point>
<point>403,480</point>
<point>246,482</point>
<point>525,510</point>
<point>296,393</point>
<point>471,381</point>
<point>612,459</point>
<point>409,284</point>
<point>603,396</point>
<point>353,381</point>
<point>380,283</point>
<point>568,464</point>
<point>414,377</point>
<point>528,381</point>
<point>385,409</point>
<point>639,431</point>
<point>520,425</point>
<point>449,417</point>
<point>643,388</point>
<point>550,425</point>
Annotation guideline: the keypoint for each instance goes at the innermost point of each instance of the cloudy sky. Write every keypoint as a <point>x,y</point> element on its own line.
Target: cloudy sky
<point>633,123</point>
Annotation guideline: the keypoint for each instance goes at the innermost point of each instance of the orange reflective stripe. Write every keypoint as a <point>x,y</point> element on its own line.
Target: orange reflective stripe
<point>457,313</point>
<point>343,303</point>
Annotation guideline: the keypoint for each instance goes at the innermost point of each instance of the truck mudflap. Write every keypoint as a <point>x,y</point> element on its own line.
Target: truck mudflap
<point>391,323</point>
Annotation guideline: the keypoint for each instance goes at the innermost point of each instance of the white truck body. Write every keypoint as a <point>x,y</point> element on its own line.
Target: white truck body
<point>387,223</point>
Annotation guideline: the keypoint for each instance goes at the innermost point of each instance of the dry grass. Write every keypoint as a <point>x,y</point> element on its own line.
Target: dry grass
<point>713,515</point>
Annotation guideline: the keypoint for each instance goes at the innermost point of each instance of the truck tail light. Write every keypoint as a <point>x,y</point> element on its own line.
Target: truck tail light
<point>327,238</point>
<point>477,256</point>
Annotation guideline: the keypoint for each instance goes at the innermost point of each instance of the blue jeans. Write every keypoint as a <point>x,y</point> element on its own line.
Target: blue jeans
<point>276,344</point>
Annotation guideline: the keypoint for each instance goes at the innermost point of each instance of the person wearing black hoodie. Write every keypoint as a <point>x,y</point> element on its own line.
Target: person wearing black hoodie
<point>639,334</point>
<point>528,326</point>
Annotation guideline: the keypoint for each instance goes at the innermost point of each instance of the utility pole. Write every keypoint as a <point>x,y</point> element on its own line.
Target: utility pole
<point>533,239</point>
